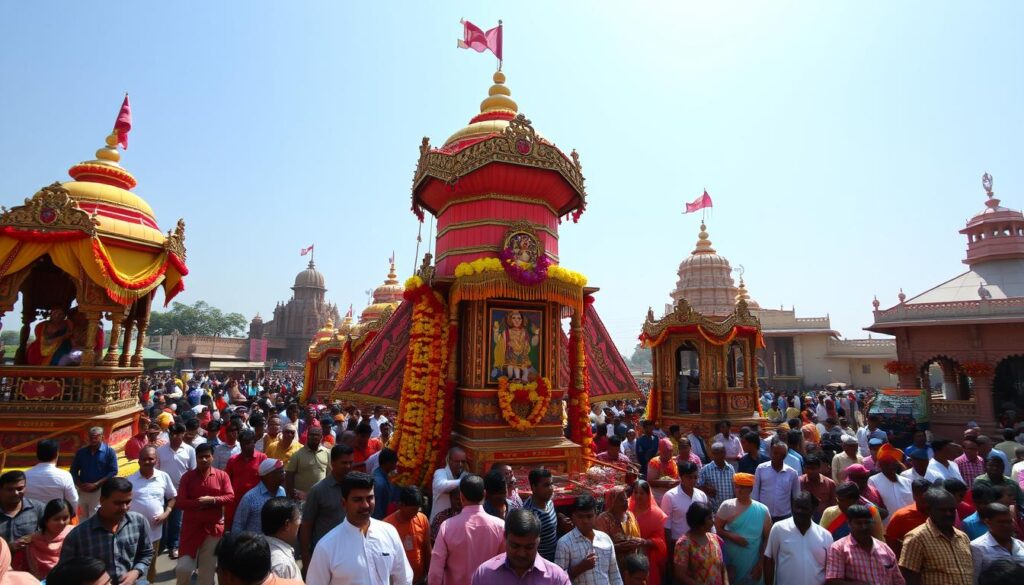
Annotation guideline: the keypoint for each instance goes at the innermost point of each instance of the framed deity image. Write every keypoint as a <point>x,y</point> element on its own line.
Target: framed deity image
<point>515,342</point>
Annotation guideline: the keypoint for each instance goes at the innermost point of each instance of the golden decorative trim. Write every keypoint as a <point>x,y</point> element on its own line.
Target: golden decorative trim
<point>51,209</point>
<point>175,243</point>
<point>518,145</point>
<point>473,249</point>
<point>500,197</point>
<point>498,285</point>
<point>685,315</point>
<point>492,222</point>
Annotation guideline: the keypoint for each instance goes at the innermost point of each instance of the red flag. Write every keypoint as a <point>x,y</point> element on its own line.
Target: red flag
<point>473,37</point>
<point>305,251</point>
<point>123,123</point>
<point>349,314</point>
<point>699,203</point>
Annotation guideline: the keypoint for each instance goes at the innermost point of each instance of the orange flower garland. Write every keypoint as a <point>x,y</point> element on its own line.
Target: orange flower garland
<point>419,434</point>
<point>579,388</point>
<point>539,393</point>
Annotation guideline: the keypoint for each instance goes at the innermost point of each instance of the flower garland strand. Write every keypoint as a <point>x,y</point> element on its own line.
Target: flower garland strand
<point>579,388</point>
<point>426,396</point>
<point>538,393</point>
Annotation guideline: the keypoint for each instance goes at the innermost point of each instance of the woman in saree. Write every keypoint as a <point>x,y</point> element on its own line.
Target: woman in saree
<point>53,339</point>
<point>619,523</point>
<point>744,525</point>
<point>651,521</point>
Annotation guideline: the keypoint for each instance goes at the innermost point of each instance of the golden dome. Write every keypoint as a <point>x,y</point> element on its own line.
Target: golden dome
<point>386,295</point>
<point>497,109</point>
<point>705,279</point>
<point>743,295</point>
<point>102,186</point>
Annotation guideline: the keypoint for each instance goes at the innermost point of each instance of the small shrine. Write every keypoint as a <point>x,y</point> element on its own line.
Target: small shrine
<point>80,256</point>
<point>704,350</point>
<point>477,354</point>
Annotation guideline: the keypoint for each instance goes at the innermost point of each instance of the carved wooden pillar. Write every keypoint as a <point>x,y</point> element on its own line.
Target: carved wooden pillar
<point>142,317</point>
<point>93,320</point>
<point>113,351</point>
<point>27,316</point>
<point>126,345</point>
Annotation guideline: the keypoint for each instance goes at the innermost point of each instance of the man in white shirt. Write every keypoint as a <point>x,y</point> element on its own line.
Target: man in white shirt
<point>998,543</point>
<point>733,448</point>
<point>376,420</point>
<point>176,457</point>
<point>917,465</point>
<point>1018,466</point>
<point>797,547</point>
<point>894,488</point>
<point>942,466</point>
<point>677,501</point>
<point>588,555</point>
<point>153,496</point>
<point>360,550</point>
<point>44,481</point>
<point>446,480</point>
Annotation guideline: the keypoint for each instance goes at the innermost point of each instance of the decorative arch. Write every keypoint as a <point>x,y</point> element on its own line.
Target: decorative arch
<point>1008,385</point>
<point>952,381</point>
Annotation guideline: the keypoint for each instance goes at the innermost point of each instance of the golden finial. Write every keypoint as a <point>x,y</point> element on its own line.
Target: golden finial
<point>392,273</point>
<point>499,97</point>
<point>109,154</point>
<point>703,243</point>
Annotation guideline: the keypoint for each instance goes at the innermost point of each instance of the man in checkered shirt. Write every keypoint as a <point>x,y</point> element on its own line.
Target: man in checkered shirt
<point>715,478</point>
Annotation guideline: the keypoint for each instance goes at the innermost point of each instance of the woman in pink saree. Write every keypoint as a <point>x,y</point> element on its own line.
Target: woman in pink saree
<point>651,520</point>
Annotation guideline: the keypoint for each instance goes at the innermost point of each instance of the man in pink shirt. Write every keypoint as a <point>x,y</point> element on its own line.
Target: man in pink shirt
<point>468,540</point>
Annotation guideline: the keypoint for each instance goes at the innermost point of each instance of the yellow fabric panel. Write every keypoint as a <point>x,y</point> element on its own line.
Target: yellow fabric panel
<point>132,265</point>
<point>26,255</point>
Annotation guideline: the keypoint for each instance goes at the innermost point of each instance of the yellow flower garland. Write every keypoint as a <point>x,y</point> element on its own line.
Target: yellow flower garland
<point>482,265</point>
<point>539,394</point>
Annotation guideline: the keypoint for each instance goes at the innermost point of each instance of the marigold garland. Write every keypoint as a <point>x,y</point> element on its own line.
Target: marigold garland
<point>897,367</point>
<point>424,411</point>
<point>488,264</point>
<point>976,369</point>
<point>538,393</point>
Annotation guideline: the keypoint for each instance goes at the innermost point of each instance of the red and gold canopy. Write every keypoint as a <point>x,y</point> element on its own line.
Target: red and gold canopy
<point>96,227</point>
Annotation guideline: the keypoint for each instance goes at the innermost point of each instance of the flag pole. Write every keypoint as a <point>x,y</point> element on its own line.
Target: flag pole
<point>502,37</point>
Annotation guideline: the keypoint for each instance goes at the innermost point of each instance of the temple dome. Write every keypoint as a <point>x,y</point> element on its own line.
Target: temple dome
<point>102,186</point>
<point>386,295</point>
<point>995,233</point>
<point>705,280</point>
<point>310,277</point>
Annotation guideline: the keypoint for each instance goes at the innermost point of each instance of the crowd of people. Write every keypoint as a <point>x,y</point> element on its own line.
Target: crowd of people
<point>237,483</point>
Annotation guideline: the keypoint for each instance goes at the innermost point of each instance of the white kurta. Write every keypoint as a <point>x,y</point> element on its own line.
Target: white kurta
<point>345,557</point>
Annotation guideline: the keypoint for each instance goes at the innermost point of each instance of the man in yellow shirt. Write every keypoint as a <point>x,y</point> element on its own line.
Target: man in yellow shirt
<point>287,446</point>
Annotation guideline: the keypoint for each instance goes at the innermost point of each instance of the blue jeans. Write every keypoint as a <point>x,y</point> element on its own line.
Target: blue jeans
<point>172,530</point>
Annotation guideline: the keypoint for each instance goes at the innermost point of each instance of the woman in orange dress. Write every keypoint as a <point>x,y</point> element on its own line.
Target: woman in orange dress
<point>651,521</point>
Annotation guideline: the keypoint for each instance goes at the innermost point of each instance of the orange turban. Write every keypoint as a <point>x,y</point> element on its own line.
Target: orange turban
<point>887,451</point>
<point>743,479</point>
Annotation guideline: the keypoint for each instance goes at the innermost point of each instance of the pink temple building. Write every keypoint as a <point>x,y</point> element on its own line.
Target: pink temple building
<point>964,338</point>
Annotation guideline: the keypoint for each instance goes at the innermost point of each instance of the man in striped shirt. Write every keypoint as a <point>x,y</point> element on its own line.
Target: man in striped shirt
<point>715,478</point>
<point>541,505</point>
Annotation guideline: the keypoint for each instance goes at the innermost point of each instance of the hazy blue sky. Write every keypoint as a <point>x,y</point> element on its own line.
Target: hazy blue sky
<point>843,143</point>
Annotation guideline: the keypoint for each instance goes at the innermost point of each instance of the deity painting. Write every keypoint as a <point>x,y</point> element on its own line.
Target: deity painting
<point>524,246</point>
<point>515,344</point>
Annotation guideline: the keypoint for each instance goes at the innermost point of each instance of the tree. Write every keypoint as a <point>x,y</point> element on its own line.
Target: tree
<point>9,337</point>
<point>640,360</point>
<point>200,318</point>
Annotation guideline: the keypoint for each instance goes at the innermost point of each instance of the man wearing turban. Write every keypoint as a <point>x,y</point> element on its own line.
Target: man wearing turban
<point>893,488</point>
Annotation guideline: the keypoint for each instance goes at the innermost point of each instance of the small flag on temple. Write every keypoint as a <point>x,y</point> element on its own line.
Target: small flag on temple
<point>349,314</point>
<point>124,123</point>
<point>473,37</point>
<point>305,251</point>
<point>392,258</point>
<point>699,203</point>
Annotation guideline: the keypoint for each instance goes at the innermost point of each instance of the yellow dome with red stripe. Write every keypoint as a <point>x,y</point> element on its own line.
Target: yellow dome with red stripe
<point>102,187</point>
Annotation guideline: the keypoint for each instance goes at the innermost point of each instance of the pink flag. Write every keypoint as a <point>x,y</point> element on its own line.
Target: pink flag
<point>305,251</point>
<point>349,314</point>
<point>123,123</point>
<point>699,203</point>
<point>473,37</point>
